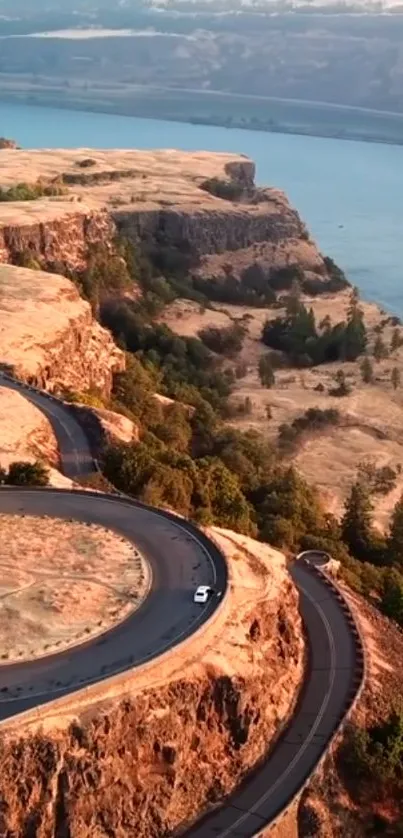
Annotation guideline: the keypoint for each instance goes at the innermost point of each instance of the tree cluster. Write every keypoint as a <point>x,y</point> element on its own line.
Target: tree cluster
<point>187,369</point>
<point>378,569</point>
<point>25,474</point>
<point>306,344</point>
<point>189,460</point>
<point>373,758</point>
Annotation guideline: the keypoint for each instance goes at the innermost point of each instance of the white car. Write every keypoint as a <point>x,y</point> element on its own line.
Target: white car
<point>202,594</point>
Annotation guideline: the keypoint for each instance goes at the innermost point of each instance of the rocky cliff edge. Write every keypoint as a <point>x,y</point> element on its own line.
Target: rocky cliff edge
<point>202,202</point>
<point>162,745</point>
<point>48,336</point>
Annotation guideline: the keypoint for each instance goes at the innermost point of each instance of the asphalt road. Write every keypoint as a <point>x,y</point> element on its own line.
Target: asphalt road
<point>329,687</point>
<point>180,558</point>
<point>179,555</point>
<point>74,450</point>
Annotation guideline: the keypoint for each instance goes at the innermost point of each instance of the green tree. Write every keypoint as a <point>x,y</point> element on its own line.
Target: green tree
<point>395,538</point>
<point>367,372</point>
<point>395,378</point>
<point>227,502</point>
<point>342,388</point>
<point>225,341</point>
<point>287,509</point>
<point>356,524</point>
<point>396,340</point>
<point>354,339</point>
<point>392,596</point>
<point>380,349</point>
<point>266,374</point>
<point>129,466</point>
<point>28,474</point>
<point>175,429</point>
<point>169,487</point>
<point>293,301</point>
<point>246,454</point>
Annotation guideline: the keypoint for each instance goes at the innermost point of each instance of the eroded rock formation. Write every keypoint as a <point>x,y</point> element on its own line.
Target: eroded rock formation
<point>48,335</point>
<point>206,204</point>
<point>179,743</point>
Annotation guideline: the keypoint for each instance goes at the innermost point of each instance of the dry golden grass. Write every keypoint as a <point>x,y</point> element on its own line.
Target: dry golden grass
<point>371,427</point>
<point>140,178</point>
<point>62,582</point>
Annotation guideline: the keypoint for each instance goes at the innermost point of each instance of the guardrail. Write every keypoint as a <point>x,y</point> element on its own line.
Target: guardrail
<point>359,683</point>
<point>360,656</point>
<point>106,683</point>
<point>116,495</point>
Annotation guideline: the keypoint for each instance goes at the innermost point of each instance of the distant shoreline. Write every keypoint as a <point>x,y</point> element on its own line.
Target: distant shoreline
<point>291,117</point>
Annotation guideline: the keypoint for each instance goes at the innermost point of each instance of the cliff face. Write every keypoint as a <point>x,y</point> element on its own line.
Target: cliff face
<point>182,739</point>
<point>48,335</point>
<point>62,241</point>
<point>205,204</point>
<point>25,434</point>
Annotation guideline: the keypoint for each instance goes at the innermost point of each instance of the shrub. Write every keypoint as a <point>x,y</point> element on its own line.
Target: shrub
<point>106,272</point>
<point>224,341</point>
<point>380,480</point>
<point>342,388</point>
<point>314,419</point>
<point>374,756</point>
<point>337,279</point>
<point>367,372</point>
<point>86,163</point>
<point>227,189</point>
<point>27,474</point>
<point>228,289</point>
<point>32,192</point>
<point>90,398</point>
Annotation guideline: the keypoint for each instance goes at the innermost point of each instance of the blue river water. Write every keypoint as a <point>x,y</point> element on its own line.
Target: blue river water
<point>350,194</point>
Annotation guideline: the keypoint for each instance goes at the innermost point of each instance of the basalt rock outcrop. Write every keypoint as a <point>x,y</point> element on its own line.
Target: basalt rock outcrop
<point>178,744</point>
<point>48,336</point>
<point>202,203</point>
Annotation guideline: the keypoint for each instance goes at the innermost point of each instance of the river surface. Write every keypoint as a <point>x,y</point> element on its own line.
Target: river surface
<point>350,194</point>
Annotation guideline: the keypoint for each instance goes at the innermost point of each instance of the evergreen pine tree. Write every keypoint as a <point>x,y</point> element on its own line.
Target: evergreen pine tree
<point>266,374</point>
<point>395,378</point>
<point>342,388</point>
<point>395,340</point>
<point>355,334</point>
<point>395,540</point>
<point>367,372</point>
<point>380,350</point>
<point>392,596</point>
<point>293,304</point>
<point>356,524</point>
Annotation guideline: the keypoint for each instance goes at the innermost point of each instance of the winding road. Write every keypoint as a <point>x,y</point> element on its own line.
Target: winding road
<point>181,557</point>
